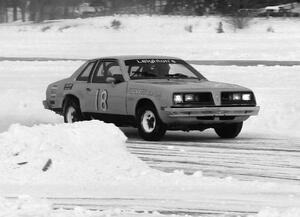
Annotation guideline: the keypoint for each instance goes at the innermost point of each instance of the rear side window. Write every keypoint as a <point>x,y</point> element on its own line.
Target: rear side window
<point>85,74</point>
<point>99,76</point>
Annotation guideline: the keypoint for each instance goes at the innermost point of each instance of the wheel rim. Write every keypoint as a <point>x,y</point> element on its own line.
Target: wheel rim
<point>148,121</point>
<point>71,115</point>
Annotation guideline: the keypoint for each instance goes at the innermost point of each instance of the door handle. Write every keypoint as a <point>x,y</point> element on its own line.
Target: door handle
<point>88,89</point>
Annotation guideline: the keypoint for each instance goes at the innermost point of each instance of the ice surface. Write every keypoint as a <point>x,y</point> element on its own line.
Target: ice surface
<point>28,206</point>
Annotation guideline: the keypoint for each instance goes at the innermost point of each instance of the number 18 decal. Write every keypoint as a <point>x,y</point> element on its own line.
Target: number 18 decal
<point>103,100</point>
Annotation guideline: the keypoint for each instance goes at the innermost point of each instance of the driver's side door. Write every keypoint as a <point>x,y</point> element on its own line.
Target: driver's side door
<point>107,97</point>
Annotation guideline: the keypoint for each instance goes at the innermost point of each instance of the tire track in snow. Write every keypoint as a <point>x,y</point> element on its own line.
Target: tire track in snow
<point>265,159</point>
<point>205,208</point>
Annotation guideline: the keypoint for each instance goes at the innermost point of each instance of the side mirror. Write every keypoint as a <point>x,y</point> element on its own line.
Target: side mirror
<point>110,80</point>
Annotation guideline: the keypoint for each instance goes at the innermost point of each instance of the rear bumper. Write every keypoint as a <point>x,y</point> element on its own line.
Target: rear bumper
<point>211,111</point>
<point>46,104</point>
<point>49,107</point>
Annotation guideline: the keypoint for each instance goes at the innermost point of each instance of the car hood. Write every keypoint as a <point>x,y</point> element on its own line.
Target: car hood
<point>190,85</point>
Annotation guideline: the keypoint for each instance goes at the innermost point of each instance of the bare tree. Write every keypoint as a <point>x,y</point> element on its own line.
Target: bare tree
<point>3,11</point>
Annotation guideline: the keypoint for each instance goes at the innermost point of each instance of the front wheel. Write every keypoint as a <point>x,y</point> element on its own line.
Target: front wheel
<point>150,126</point>
<point>229,131</point>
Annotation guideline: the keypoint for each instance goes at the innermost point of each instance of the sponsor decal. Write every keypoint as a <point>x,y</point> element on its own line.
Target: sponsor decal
<point>68,86</point>
<point>140,92</point>
<point>54,87</point>
<point>103,100</point>
<point>152,61</point>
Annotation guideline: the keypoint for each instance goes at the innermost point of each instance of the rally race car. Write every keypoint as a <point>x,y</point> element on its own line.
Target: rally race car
<point>153,94</point>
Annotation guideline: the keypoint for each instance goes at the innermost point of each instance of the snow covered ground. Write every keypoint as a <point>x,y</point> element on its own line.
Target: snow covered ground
<point>89,38</point>
<point>88,164</point>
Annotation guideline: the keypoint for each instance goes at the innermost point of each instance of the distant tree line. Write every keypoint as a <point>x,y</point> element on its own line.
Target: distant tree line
<point>36,10</point>
<point>39,10</point>
<point>188,7</point>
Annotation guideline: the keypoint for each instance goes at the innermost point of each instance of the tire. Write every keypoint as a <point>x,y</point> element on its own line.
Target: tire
<point>72,112</point>
<point>150,127</point>
<point>229,131</point>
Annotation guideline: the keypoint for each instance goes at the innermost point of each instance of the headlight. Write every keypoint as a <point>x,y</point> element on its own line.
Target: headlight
<point>246,96</point>
<point>240,97</point>
<point>236,96</point>
<point>189,97</point>
<point>178,98</point>
<point>193,99</point>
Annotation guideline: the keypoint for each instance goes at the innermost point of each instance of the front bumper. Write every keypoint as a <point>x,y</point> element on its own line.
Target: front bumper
<point>212,111</point>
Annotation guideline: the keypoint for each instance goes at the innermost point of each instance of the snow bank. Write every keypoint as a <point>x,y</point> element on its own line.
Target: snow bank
<point>161,35</point>
<point>85,152</point>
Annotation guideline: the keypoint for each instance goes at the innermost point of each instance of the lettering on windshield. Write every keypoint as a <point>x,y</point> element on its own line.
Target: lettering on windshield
<point>151,61</point>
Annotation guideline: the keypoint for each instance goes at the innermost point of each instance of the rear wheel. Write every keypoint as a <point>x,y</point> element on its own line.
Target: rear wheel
<point>229,131</point>
<point>150,126</point>
<point>72,112</point>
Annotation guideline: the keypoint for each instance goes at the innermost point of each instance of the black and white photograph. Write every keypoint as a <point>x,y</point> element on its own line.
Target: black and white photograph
<point>150,108</point>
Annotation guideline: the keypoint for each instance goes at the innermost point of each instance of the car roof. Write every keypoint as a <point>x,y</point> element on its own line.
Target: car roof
<point>129,57</point>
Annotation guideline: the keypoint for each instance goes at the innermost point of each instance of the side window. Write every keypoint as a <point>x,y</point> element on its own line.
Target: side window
<point>99,75</point>
<point>114,70</point>
<point>133,70</point>
<point>85,74</point>
<point>107,69</point>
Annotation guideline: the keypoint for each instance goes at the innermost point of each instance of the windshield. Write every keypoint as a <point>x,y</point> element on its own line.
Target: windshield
<point>161,69</point>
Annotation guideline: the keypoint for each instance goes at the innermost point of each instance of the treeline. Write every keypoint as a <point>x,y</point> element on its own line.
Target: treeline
<point>188,7</point>
<point>39,10</point>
